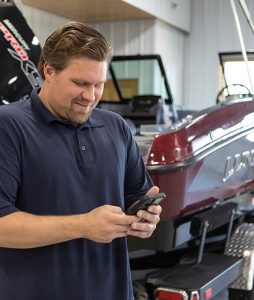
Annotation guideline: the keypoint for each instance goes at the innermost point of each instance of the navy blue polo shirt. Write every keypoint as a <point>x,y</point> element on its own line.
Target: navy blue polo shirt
<point>50,167</point>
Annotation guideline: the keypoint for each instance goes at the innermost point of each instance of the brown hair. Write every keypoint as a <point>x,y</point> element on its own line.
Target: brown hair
<point>74,39</point>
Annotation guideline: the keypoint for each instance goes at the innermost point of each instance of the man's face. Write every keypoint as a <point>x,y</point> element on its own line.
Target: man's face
<point>74,92</point>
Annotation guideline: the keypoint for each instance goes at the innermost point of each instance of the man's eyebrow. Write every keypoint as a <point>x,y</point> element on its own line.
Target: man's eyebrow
<point>87,82</point>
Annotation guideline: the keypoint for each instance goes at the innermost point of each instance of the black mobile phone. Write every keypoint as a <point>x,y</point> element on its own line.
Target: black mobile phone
<point>144,202</point>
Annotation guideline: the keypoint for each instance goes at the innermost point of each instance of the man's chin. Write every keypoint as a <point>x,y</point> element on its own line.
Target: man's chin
<point>80,119</point>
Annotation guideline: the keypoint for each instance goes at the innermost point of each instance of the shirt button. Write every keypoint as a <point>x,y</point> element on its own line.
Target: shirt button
<point>83,148</point>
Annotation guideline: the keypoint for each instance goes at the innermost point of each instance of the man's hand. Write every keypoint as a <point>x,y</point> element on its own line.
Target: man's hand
<point>150,218</point>
<point>107,222</point>
<point>22,230</point>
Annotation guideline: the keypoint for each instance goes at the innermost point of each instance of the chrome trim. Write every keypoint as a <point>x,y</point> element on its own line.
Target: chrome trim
<point>197,115</point>
<point>194,293</point>
<point>198,155</point>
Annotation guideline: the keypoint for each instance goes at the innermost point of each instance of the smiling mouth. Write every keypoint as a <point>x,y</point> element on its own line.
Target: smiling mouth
<point>83,104</point>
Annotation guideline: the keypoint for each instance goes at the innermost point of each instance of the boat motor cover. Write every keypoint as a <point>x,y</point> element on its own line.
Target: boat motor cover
<point>19,55</point>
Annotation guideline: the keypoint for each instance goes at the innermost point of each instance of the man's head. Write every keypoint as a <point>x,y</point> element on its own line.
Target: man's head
<point>74,64</point>
<point>73,40</point>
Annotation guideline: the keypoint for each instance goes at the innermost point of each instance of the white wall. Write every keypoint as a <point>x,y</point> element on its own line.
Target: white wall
<point>191,60</point>
<point>174,12</point>
<point>170,44</point>
<point>41,22</point>
<point>213,30</point>
<point>128,37</point>
<point>150,37</point>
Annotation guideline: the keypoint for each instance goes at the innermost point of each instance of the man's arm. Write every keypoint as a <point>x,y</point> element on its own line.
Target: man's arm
<point>103,224</point>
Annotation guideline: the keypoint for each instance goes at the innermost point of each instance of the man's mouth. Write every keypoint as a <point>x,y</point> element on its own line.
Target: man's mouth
<point>83,104</point>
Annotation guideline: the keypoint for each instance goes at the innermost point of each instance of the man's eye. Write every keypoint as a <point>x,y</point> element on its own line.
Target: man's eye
<point>99,85</point>
<point>80,83</point>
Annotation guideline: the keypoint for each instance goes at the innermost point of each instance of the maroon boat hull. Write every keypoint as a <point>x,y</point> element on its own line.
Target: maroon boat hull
<point>206,159</point>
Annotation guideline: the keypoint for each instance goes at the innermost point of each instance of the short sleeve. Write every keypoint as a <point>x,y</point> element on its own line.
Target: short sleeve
<point>10,176</point>
<point>137,179</point>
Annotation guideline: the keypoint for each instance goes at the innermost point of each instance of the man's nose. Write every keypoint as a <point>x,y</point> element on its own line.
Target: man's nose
<point>88,93</point>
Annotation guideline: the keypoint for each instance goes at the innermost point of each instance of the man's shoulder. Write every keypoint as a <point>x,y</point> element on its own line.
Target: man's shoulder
<point>107,116</point>
<point>102,111</point>
<point>14,107</point>
<point>112,122</point>
<point>15,112</point>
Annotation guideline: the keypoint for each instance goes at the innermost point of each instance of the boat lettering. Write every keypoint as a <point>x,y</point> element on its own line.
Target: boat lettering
<point>238,162</point>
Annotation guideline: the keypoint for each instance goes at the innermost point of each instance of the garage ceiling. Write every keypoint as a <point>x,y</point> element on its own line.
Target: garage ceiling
<point>90,10</point>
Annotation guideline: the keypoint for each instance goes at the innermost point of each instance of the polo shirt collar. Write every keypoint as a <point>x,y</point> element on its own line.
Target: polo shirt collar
<point>49,118</point>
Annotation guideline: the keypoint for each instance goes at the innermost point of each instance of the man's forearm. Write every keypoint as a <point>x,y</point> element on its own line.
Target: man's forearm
<point>23,230</point>
<point>102,224</point>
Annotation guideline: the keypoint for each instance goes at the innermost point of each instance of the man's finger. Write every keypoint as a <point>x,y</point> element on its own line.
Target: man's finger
<point>153,190</point>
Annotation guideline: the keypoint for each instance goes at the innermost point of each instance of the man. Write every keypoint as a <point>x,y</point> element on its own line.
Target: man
<point>68,171</point>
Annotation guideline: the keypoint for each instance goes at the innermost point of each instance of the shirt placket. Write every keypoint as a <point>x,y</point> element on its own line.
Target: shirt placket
<point>85,145</point>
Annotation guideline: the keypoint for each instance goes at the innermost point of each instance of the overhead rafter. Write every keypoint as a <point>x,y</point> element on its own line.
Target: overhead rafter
<point>90,10</point>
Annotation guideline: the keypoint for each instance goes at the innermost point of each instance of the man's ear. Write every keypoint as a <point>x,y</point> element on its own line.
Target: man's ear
<point>48,72</point>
